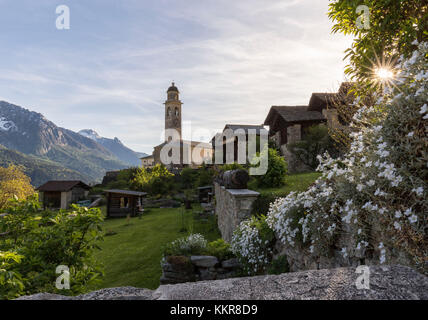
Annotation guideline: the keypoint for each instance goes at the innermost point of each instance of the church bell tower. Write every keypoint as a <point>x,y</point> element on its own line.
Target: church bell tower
<point>173,112</point>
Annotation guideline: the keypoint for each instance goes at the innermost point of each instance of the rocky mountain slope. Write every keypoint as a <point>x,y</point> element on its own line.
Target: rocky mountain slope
<point>115,146</point>
<point>39,170</point>
<point>32,134</point>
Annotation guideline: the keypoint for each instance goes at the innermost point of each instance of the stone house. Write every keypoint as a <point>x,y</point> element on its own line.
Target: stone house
<point>61,194</point>
<point>288,124</point>
<point>147,161</point>
<point>231,136</point>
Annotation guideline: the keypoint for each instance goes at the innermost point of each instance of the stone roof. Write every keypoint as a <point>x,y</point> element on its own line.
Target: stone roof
<point>293,114</point>
<point>323,100</point>
<point>187,142</point>
<point>245,127</point>
<point>62,186</point>
<point>127,192</point>
<point>147,157</point>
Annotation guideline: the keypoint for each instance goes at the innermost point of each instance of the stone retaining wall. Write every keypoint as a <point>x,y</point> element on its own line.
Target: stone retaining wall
<point>179,269</point>
<point>232,207</point>
<point>386,283</point>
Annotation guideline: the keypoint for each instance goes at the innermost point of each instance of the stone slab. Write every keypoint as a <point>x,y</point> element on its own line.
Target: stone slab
<point>386,283</point>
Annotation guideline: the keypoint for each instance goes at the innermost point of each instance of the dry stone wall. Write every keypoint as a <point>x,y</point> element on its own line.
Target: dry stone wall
<point>232,207</point>
<point>180,269</point>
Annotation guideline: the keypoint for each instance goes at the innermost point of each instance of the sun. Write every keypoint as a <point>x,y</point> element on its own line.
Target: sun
<point>384,74</point>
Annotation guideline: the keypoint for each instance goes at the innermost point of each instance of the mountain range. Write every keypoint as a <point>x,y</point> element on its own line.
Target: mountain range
<point>49,152</point>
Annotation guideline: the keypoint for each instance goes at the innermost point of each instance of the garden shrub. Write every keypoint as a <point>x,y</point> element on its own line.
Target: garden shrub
<point>194,244</point>
<point>278,265</point>
<point>44,240</point>
<point>374,198</point>
<point>252,243</point>
<point>262,204</point>
<point>220,249</point>
<point>276,171</point>
<point>156,181</point>
<point>316,141</point>
<point>376,195</point>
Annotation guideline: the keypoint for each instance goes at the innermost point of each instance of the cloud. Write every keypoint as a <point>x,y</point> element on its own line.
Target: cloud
<point>231,60</point>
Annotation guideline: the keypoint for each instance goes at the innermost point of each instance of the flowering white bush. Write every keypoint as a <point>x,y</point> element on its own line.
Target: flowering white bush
<point>252,243</point>
<point>193,244</point>
<point>372,203</point>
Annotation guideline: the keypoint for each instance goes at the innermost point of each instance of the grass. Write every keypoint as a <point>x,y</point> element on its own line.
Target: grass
<point>131,254</point>
<point>132,249</point>
<point>295,182</point>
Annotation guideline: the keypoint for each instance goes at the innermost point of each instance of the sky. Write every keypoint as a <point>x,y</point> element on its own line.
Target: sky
<point>231,61</point>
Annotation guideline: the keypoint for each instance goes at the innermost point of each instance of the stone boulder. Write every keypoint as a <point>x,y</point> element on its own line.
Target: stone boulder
<point>393,282</point>
<point>386,283</point>
<point>204,261</point>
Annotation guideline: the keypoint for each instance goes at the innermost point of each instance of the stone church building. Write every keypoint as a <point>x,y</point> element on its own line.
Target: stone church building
<point>190,153</point>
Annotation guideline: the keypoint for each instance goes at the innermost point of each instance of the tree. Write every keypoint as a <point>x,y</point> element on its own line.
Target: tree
<point>391,31</point>
<point>33,243</point>
<point>156,181</point>
<point>316,141</point>
<point>277,169</point>
<point>13,182</point>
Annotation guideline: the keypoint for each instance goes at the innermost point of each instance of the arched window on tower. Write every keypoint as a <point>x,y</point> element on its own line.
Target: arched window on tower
<point>176,112</point>
<point>168,112</point>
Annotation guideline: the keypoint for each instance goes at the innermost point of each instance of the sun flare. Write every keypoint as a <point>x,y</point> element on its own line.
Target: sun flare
<point>384,74</point>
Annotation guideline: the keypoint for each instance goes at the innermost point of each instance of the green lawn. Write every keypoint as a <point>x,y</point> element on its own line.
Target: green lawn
<point>294,182</point>
<point>131,257</point>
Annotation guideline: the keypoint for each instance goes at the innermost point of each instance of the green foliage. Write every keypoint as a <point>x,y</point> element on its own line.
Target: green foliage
<point>220,249</point>
<point>316,141</point>
<point>277,169</point>
<point>46,239</point>
<point>231,166</point>
<point>39,170</point>
<point>11,284</point>
<point>253,243</point>
<point>194,244</point>
<point>158,180</point>
<point>278,266</point>
<point>394,25</point>
<point>14,183</point>
<point>205,176</point>
<point>138,265</point>
<point>188,178</point>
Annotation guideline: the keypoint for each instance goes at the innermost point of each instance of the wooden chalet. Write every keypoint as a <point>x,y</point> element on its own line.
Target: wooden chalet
<point>57,194</point>
<point>121,203</point>
<point>282,119</point>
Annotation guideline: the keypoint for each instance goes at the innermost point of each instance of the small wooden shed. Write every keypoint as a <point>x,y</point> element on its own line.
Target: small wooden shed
<point>57,194</point>
<point>121,203</point>
<point>205,194</point>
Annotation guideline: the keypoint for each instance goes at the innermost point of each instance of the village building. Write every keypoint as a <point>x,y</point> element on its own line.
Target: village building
<point>61,194</point>
<point>121,203</point>
<point>231,136</point>
<point>190,153</point>
<point>288,124</point>
<point>147,161</point>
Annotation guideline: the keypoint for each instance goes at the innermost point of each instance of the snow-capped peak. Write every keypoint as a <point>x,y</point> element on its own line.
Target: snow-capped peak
<point>89,133</point>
